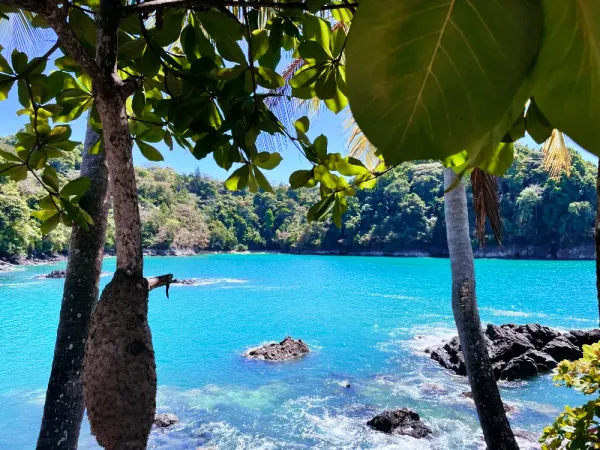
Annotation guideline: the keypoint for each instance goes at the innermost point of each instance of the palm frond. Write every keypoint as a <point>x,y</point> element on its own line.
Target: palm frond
<point>18,33</point>
<point>288,109</point>
<point>557,157</point>
<point>357,144</point>
<point>486,205</point>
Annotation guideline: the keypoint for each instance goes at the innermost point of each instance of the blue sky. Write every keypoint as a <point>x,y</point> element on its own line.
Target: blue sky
<point>181,160</point>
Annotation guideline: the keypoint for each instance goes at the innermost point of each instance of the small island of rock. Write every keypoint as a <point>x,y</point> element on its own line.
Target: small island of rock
<point>402,421</point>
<point>286,350</point>
<point>165,420</point>
<point>55,274</point>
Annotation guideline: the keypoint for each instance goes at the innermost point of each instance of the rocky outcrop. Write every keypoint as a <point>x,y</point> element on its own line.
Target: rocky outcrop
<point>55,274</point>
<point>519,351</point>
<point>165,420</point>
<point>402,421</point>
<point>286,350</point>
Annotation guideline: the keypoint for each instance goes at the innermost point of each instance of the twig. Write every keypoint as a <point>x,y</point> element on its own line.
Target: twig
<point>153,5</point>
<point>149,122</point>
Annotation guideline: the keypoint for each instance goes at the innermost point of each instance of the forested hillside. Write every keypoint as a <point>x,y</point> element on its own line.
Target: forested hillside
<point>185,213</point>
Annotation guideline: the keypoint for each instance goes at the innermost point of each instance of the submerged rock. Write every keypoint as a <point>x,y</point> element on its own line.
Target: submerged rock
<point>165,420</point>
<point>402,421</point>
<point>286,350</point>
<point>55,274</point>
<point>519,351</point>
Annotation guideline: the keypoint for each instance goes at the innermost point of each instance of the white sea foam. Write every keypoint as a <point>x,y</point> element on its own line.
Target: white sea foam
<point>423,337</point>
<point>25,284</point>
<point>513,313</point>
<point>398,297</point>
<point>211,281</point>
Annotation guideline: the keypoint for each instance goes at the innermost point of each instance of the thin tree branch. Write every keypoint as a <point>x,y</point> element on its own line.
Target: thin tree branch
<point>160,281</point>
<point>31,67</point>
<point>107,23</point>
<point>36,6</point>
<point>149,122</point>
<point>56,16</point>
<point>153,5</point>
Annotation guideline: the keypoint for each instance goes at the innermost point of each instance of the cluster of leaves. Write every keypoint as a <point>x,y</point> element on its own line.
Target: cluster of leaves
<point>461,81</point>
<point>207,81</point>
<point>577,428</point>
<point>403,212</point>
<point>39,142</point>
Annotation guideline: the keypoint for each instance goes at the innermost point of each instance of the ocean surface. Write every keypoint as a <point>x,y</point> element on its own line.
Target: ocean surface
<point>367,321</point>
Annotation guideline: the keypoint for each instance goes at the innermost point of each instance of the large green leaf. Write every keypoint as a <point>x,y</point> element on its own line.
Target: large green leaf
<point>260,43</point>
<point>428,78</point>
<point>567,75</point>
<point>536,123</point>
<point>149,152</point>
<point>238,179</point>
<point>266,160</point>
<point>77,187</point>
<point>171,27</point>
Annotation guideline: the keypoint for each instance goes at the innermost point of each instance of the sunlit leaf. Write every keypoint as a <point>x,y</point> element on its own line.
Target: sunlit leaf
<point>428,79</point>
<point>238,179</point>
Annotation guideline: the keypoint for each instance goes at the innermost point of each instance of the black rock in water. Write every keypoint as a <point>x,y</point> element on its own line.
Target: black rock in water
<point>165,420</point>
<point>286,350</point>
<point>402,421</point>
<point>55,274</point>
<point>562,348</point>
<point>519,351</point>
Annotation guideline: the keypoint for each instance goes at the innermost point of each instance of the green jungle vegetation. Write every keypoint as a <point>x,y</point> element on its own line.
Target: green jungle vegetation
<point>404,212</point>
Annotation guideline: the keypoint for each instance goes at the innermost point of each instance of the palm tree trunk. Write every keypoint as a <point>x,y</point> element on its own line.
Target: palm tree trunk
<point>63,410</point>
<point>597,237</point>
<point>496,429</point>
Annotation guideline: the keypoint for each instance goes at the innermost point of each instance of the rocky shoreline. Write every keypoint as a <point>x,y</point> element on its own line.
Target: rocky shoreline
<point>526,252</point>
<point>519,351</point>
<point>582,252</point>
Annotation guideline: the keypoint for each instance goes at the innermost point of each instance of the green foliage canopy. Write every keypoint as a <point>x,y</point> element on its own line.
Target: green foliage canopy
<point>451,79</point>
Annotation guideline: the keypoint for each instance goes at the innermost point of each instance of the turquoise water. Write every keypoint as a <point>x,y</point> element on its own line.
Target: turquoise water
<point>366,320</point>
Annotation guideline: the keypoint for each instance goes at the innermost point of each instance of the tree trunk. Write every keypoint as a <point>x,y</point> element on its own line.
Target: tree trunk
<point>120,372</point>
<point>63,410</point>
<point>597,237</point>
<point>496,429</point>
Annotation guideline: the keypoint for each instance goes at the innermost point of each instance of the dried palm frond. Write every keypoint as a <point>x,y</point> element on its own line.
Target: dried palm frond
<point>557,157</point>
<point>486,205</point>
<point>357,143</point>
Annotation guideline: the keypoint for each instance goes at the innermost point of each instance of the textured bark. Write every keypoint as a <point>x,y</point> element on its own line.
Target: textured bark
<point>597,237</point>
<point>120,373</point>
<point>496,429</point>
<point>117,144</point>
<point>63,409</point>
